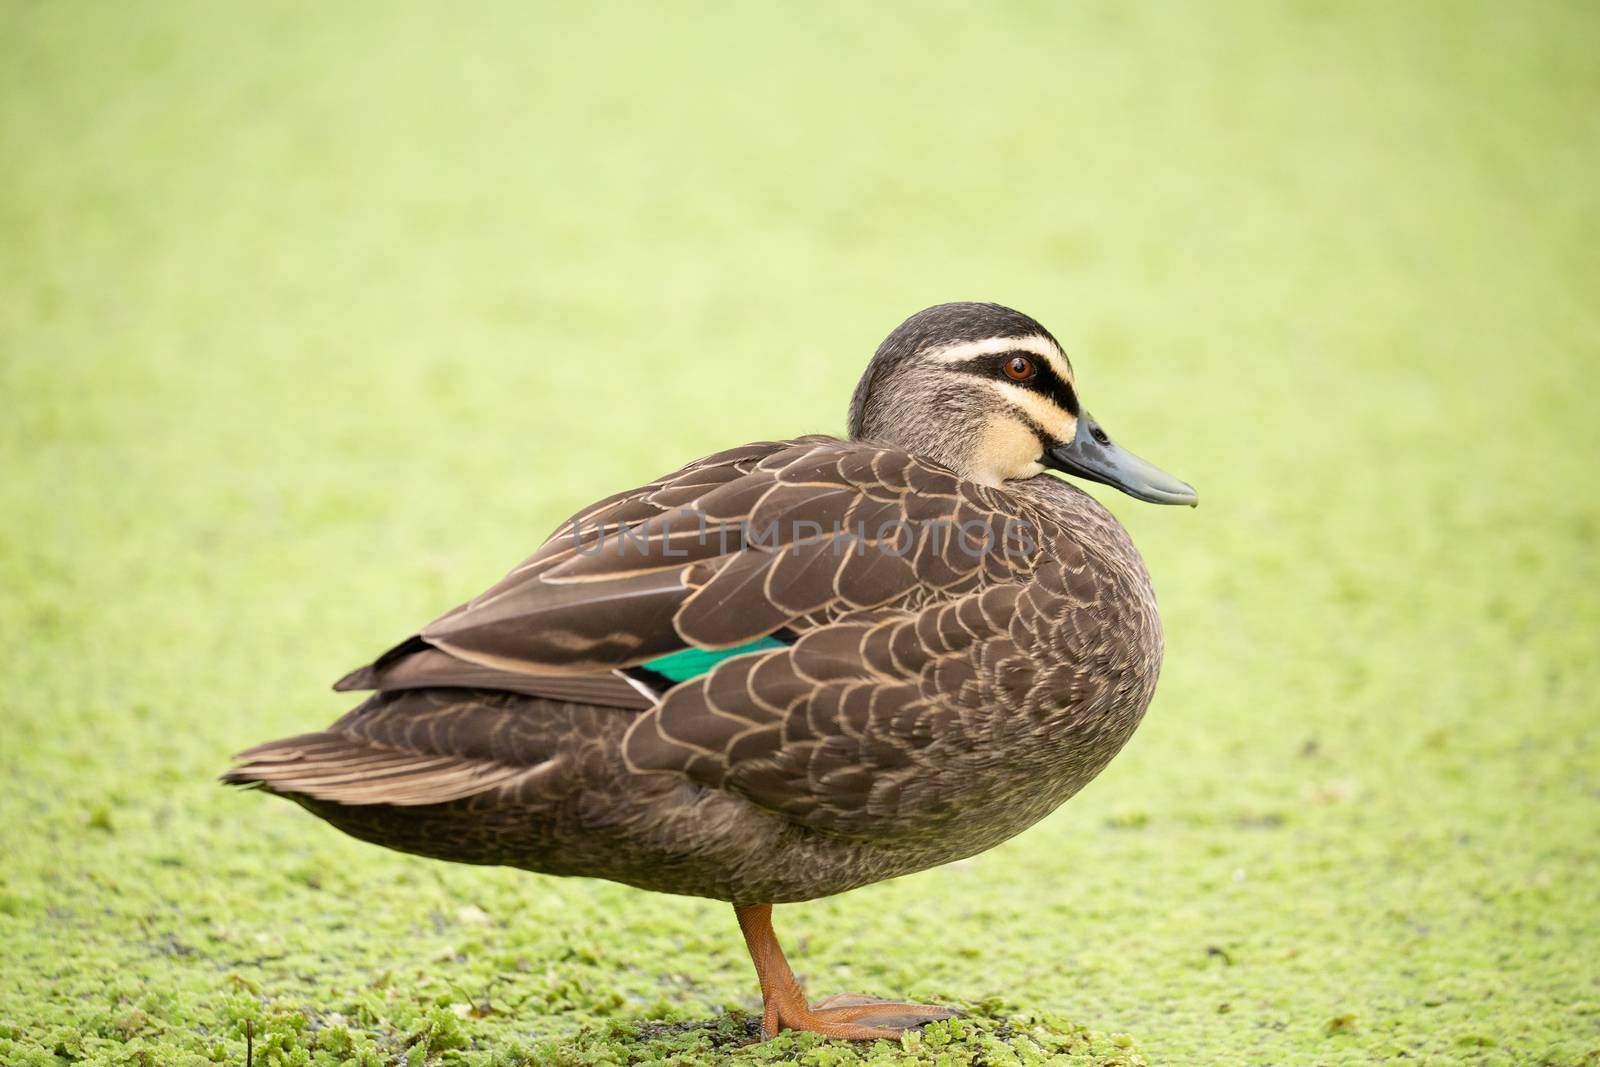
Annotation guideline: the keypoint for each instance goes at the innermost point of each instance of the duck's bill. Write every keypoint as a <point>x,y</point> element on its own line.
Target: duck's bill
<point>1092,454</point>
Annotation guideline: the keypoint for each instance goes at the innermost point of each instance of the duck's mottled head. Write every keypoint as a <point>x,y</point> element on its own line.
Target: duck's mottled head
<point>988,392</point>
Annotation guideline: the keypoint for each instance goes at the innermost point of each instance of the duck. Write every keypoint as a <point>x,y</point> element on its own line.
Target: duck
<point>786,670</point>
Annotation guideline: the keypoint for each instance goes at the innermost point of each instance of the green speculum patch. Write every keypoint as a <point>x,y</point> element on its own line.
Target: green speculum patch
<point>693,662</point>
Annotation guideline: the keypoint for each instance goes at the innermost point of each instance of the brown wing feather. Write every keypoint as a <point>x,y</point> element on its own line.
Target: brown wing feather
<point>555,666</point>
<point>423,667</point>
<point>780,534</point>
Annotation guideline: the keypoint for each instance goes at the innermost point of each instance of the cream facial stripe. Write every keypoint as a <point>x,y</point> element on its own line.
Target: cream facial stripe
<point>1009,450</point>
<point>1033,344</point>
<point>1044,413</point>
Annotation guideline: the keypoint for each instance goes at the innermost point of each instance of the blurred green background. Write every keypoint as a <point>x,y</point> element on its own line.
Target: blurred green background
<point>314,319</point>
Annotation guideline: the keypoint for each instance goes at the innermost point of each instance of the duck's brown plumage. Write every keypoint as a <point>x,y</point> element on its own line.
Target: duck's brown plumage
<point>927,646</point>
<point>936,701</point>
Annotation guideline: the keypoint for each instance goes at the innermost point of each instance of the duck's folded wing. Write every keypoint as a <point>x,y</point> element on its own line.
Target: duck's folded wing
<point>415,664</point>
<point>778,536</point>
<point>418,663</point>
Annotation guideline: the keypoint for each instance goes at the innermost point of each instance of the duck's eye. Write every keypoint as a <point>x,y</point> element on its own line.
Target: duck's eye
<point>1019,368</point>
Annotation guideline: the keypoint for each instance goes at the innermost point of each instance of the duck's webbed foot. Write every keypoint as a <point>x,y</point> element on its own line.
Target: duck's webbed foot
<point>888,1015</point>
<point>850,1016</point>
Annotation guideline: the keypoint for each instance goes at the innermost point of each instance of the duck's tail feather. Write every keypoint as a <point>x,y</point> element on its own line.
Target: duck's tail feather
<point>351,770</point>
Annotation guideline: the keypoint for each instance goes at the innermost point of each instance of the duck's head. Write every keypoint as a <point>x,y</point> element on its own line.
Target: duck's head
<point>988,392</point>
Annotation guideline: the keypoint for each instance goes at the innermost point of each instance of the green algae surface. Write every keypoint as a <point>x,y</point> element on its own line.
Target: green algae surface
<point>314,319</point>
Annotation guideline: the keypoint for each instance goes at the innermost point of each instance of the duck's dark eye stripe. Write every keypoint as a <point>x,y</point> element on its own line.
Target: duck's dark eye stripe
<point>1045,380</point>
<point>1059,391</point>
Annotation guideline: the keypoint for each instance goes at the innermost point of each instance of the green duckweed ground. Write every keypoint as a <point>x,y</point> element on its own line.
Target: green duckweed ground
<point>314,319</point>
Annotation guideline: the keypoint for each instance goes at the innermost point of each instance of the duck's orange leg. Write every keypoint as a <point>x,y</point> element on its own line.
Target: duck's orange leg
<point>847,1015</point>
